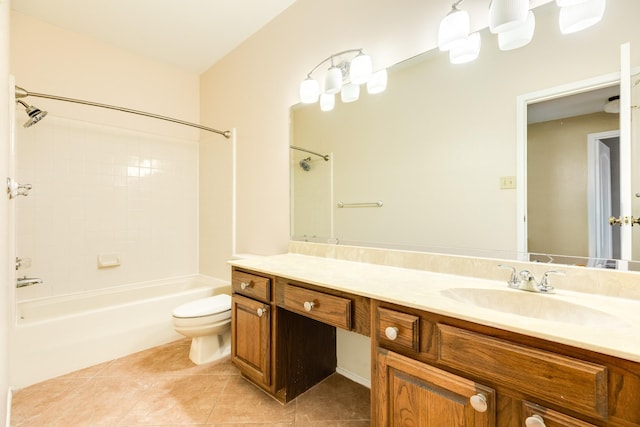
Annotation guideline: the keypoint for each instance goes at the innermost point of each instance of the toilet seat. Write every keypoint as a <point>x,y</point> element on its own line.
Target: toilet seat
<point>205,307</point>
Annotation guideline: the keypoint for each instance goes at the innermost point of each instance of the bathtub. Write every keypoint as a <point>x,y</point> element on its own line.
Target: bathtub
<point>57,335</point>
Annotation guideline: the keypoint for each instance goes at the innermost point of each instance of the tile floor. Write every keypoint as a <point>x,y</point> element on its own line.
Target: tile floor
<point>161,387</point>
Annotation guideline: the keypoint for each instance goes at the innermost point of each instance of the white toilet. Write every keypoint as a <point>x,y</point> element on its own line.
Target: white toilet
<point>208,322</point>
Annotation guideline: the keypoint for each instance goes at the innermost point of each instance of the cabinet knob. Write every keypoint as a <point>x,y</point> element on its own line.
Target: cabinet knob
<point>245,285</point>
<point>308,305</point>
<point>261,311</point>
<point>391,332</point>
<point>479,402</point>
<point>534,421</point>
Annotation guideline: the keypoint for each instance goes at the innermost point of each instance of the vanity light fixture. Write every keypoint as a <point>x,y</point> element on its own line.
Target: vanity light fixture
<point>454,28</point>
<point>343,76</point>
<point>577,17</point>
<point>513,22</point>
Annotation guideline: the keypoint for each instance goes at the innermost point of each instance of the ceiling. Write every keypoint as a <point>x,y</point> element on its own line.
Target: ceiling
<point>588,102</point>
<point>190,34</point>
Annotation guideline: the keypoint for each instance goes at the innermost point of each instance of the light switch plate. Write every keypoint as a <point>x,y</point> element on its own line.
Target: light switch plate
<point>507,182</point>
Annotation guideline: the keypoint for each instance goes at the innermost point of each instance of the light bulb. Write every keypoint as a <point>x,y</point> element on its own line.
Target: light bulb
<point>378,82</point>
<point>519,36</point>
<point>580,16</point>
<point>327,101</point>
<point>467,51</point>
<point>565,3</point>
<point>505,15</point>
<point>333,80</point>
<point>309,91</point>
<point>360,69</point>
<point>453,29</point>
<point>350,93</point>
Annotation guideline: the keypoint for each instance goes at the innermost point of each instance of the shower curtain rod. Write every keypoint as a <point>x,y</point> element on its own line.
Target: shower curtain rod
<point>23,93</point>
<point>324,156</point>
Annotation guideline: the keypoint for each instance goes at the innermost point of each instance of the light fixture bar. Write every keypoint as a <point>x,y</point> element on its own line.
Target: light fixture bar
<point>324,156</point>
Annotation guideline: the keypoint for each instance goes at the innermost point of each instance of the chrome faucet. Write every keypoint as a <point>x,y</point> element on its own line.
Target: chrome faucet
<point>526,281</point>
<point>27,281</point>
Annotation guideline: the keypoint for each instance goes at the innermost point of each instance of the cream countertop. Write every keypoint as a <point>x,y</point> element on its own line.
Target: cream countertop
<point>423,290</point>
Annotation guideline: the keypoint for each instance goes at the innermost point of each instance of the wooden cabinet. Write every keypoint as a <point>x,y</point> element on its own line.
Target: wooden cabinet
<point>251,337</point>
<point>425,360</point>
<point>412,393</point>
<point>284,333</point>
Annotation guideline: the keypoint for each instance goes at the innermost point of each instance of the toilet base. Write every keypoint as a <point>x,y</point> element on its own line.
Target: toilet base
<point>209,348</point>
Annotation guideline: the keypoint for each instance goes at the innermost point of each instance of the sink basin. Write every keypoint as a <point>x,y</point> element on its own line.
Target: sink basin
<point>533,305</point>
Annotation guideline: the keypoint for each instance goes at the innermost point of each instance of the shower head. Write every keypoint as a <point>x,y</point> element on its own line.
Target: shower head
<point>35,114</point>
<point>305,164</point>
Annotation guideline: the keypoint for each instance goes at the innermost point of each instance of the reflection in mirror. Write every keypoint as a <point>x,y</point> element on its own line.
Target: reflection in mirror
<point>439,146</point>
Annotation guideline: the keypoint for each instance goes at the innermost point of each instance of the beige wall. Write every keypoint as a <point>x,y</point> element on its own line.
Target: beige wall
<point>557,182</point>
<point>254,86</point>
<point>252,89</point>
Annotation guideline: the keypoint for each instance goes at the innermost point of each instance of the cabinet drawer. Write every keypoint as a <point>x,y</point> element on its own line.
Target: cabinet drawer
<point>253,286</point>
<point>568,382</point>
<point>398,330</point>
<point>551,418</point>
<point>326,308</point>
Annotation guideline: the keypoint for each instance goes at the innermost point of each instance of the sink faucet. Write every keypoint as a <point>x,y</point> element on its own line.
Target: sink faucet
<point>27,281</point>
<point>527,281</point>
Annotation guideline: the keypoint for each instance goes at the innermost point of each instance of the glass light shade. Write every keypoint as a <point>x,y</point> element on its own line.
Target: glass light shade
<point>333,80</point>
<point>578,17</point>
<point>360,69</point>
<point>350,93</point>
<point>453,29</point>
<point>505,15</point>
<point>378,82</point>
<point>519,36</point>
<point>565,3</point>
<point>309,91</point>
<point>327,101</point>
<point>467,51</point>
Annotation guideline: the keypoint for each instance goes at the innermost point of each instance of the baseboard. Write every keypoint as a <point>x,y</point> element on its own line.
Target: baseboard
<point>354,377</point>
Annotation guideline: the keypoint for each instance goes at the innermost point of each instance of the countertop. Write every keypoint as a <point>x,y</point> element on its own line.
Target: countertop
<point>428,291</point>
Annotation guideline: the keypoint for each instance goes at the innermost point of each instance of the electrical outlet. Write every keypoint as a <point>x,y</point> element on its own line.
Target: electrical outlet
<point>507,182</point>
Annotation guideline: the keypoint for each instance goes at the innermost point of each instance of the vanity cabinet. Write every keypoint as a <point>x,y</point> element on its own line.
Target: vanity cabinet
<point>251,322</point>
<point>429,369</point>
<point>284,332</point>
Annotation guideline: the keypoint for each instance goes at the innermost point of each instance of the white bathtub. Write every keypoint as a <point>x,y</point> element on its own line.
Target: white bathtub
<point>56,335</point>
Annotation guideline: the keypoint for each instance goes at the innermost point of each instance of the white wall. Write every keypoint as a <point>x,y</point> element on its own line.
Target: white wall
<point>6,274</point>
<point>104,182</point>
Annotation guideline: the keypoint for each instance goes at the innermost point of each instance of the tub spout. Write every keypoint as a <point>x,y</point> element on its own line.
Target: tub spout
<point>27,281</point>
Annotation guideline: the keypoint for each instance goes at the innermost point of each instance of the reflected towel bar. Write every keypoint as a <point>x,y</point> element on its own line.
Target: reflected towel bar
<point>377,204</point>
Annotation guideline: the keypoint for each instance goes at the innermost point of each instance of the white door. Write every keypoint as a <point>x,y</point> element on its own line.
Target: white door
<point>625,153</point>
<point>601,238</point>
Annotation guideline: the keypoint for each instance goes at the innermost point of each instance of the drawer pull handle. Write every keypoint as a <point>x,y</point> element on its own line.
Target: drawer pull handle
<point>308,305</point>
<point>261,311</point>
<point>245,285</point>
<point>391,332</point>
<point>479,402</point>
<point>534,421</point>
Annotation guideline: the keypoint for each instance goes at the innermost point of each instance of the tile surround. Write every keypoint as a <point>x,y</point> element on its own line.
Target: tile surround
<point>100,190</point>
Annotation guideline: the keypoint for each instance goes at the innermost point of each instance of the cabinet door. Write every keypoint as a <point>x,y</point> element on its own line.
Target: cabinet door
<point>251,338</point>
<point>412,393</point>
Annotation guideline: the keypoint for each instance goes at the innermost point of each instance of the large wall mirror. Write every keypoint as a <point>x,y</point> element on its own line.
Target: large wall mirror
<point>431,163</point>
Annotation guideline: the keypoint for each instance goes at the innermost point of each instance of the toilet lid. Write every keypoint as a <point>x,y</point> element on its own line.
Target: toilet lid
<point>204,306</point>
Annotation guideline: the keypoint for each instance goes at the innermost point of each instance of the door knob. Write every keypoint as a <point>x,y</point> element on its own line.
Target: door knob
<point>261,311</point>
<point>615,221</point>
<point>245,285</point>
<point>479,402</point>
<point>534,421</point>
<point>308,305</point>
<point>635,220</point>
<point>391,332</point>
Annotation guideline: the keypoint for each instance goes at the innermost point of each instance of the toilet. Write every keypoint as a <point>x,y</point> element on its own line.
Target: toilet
<point>208,322</point>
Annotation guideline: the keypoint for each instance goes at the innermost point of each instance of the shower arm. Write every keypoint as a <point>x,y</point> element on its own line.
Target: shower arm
<point>22,93</point>
<point>324,156</point>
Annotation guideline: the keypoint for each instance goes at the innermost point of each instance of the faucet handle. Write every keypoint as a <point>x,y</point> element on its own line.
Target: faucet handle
<point>545,286</point>
<point>513,281</point>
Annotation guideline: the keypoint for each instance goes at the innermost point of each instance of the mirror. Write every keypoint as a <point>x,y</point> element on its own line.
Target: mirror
<point>438,147</point>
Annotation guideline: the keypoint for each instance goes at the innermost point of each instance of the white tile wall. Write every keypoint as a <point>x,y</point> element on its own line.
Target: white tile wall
<point>104,190</point>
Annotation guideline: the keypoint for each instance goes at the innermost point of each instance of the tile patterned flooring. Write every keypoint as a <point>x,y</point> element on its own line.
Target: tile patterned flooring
<point>161,387</point>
